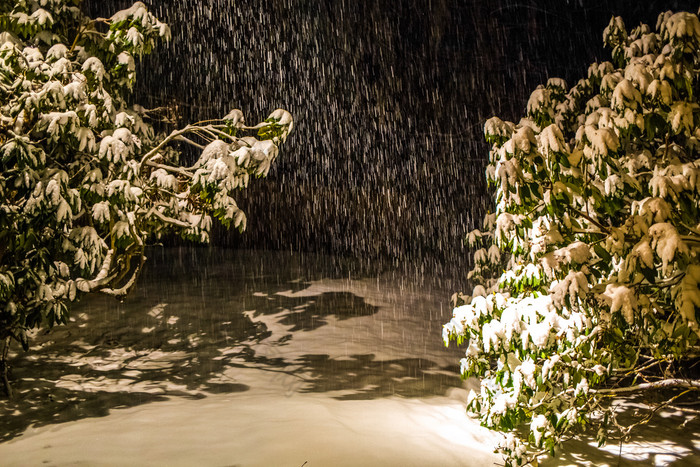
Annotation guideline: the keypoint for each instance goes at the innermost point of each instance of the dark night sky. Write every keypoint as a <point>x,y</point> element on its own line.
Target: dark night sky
<point>389,99</point>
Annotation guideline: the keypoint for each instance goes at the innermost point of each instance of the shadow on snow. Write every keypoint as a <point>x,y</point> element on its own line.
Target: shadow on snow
<point>179,334</point>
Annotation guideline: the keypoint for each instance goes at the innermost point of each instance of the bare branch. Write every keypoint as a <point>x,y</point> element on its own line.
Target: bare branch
<point>190,142</point>
<point>169,220</point>
<point>688,238</point>
<point>589,219</point>
<point>175,134</point>
<point>170,168</point>
<point>662,384</point>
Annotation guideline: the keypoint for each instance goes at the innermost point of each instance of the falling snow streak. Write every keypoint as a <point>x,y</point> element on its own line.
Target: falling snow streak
<point>389,101</point>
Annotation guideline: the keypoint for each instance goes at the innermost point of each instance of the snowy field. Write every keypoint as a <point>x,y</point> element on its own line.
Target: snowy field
<point>261,359</point>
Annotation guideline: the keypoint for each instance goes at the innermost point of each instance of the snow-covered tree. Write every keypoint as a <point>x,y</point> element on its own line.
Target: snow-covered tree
<point>85,182</point>
<point>588,270</point>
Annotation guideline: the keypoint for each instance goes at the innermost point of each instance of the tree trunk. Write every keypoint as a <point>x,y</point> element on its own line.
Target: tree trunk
<point>4,368</point>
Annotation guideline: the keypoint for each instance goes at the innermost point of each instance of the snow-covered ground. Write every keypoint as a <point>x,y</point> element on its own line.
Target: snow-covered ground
<point>264,359</point>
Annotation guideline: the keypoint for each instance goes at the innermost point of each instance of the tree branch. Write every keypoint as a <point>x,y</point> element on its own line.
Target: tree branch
<point>102,277</point>
<point>589,219</point>
<point>190,142</point>
<point>170,168</point>
<point>662,384</point>
<point>123,290</point>
<point>175,134</point>
<point>169,220</point>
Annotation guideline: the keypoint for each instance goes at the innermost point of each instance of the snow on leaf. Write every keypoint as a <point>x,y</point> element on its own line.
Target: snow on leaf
<point>135,37</point>
<point>524,139</point>
<point>537,428</point>
<point>662,186</point>
<point>94,66</point>
<point>86,139</point>
<point>219,171</point>
<point>100,212</point>
<point>63,213</point>
<point>621,298</point>
<point>242,156</point>
<point>638,74</point>
<point>602,140</point>
<point>53,192</point>
<point>480,256</point>
<point>494,254</point>
<point>576,252</point>
<point>478,292</point>
<point>57,51</point>
<point>551,139</point>
<point>164,179</point>
<point>539,100</point>
<point>495,127</point>
<point>681,117</point>
<point>655,210</point>
<point>121,229</point>
<point>666,241</point>
<point>284,118</point>
<point>575,284</point>
<point>660,90</point>
<point>42,17</point>
<point>680,25</point>
<point>125,58</point>
<point>214,150</point>
<point>688,298</point>
<point>625,95</point>
<point>474,237</point>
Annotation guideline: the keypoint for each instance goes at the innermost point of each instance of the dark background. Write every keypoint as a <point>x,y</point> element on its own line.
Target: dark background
<point>389,98</point>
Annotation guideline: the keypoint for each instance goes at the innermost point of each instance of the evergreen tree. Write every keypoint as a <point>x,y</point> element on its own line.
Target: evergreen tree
<point>588,270</point>
<point>85,181</point>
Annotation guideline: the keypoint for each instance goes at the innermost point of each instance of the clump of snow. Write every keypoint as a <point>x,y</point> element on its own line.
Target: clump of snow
<point>688,298</point>
<point>626,95</point>
<point>666,241</point>
<point>603,140</point>
<point>214,150</point>
<point>551,139</point>
<point>538,426</point>
<point>557,83</point>
<point>681,117</point>
<point>95,66</point>
<point>680,25</point>
<point>494,126</point>
<point>621,298</point>
<point>653,209</point>
<point>573,285</point>
<point>577,252</point>
<point>524,139</point>
<point>539,100</point>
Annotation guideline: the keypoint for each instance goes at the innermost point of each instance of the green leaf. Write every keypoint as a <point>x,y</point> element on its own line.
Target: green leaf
<point>602,253</point>
<point>649,274</point>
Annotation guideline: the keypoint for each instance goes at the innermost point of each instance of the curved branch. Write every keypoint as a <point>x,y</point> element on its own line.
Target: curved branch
<point>102,278</point>
<point>123,290</point>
